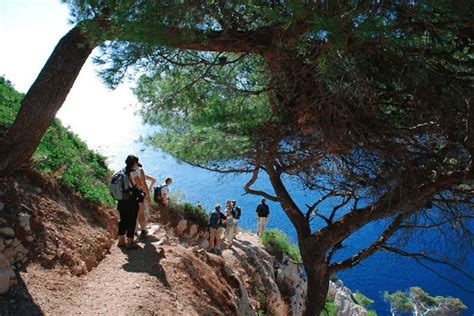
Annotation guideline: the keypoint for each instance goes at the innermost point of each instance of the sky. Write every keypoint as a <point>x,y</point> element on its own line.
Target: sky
<point>29,31</point>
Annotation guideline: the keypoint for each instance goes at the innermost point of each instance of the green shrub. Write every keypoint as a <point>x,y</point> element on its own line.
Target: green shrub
<point>193,214</point>
<point>196,215</point>
<point>62,152</point>
<point>330,309</point>
<point>365,302</point>
<point>276,240</point>
<point>362,300</point>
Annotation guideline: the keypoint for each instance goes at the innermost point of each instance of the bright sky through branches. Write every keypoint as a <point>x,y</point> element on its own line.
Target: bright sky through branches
<point>29,31</point>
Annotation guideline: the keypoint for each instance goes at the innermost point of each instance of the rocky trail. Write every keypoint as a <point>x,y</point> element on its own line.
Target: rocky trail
<point>58,256</point>
<point>125,282</point>
<point>162,277</point>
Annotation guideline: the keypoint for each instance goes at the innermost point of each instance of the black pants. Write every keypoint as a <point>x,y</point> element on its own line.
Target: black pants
<point>128,210</point>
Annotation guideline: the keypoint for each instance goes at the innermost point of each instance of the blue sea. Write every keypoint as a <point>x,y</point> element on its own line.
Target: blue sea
<point>379,273</point>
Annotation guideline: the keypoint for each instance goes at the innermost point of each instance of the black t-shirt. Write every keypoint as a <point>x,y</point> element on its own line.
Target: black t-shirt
<point>263,210</point>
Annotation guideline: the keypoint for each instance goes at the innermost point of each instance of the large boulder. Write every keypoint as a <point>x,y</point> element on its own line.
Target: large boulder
<point>291,280</point>
<point>344,301</point>
<point>7,232</point>
<point>181,227</point>
<point>193,229</point>
<point>4,281</point>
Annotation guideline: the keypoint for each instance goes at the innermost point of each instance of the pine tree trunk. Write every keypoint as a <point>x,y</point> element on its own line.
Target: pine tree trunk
<point>43,100</point>
<point>317,286</point>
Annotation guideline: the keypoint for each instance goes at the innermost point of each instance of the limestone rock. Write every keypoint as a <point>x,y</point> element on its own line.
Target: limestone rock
<point>164,241</point>
<point>9,253</point>
<point>181,227</point>
<point>4,264</point>
<point>204,244</point>
<point>15,243</point>
<point>205,235</point>
<point>192,231</point>
<point>7,232</point>
<point>11,273</point>
<point>290,276</point>
<point>24,221</point>
<point>2,244</point>
<point>4,281</point>
<point>345,303</point>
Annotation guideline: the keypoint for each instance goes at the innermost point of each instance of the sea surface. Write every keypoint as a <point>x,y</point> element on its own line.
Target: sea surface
<point>123,134</point>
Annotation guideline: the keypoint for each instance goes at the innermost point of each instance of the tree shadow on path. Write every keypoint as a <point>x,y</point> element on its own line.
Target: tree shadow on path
<point>147,260</point>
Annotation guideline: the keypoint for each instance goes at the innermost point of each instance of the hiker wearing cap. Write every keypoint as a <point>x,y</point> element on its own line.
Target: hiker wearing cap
<point>143,212</point>
<point>236,212</point>
<point>128,207</point>
<point>230,224</point>
<point>263,215</point>
<point>215,222</point>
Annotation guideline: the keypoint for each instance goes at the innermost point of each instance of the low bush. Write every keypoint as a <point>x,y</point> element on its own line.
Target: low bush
<point>62,153</point>
<point>276,240</point>
<point>193,214</point>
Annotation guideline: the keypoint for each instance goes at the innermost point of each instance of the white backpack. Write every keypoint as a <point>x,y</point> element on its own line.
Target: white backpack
<point>119,186</point>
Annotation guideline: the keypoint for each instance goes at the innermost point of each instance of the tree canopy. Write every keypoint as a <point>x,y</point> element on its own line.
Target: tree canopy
<point>367,103</point>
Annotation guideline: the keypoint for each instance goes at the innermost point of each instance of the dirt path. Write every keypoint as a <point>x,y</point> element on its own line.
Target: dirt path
<point>124,283</point>
<point>160,278</point>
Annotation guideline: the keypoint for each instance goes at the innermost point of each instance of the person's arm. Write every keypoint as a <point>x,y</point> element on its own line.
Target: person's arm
<point>152,182</point>
<point>143,181</point>
<point>143,185</point>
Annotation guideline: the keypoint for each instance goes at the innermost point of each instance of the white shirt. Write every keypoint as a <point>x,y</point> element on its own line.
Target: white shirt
<point>135,175</point>
<point>165,189</point>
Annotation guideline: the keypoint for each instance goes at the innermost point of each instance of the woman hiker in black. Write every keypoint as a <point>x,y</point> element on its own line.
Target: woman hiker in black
<point>128,208</point>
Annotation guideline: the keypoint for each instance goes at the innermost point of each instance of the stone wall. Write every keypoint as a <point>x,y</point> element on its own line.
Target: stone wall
<point>13,254</point>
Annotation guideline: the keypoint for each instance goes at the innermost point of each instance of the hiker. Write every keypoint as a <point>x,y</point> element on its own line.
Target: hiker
<point>128,207</point>
<point>263,215</point>
<point>162,193</point>
<point>144,207</point>
<point>215,222</point>
<point>236,211</point>
<point>222,225</point>
<point>230,225</point>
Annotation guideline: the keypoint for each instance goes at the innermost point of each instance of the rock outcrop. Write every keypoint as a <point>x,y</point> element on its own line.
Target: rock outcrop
<point>344,300</point>
<point>42,222</point>
<point>290,278</point>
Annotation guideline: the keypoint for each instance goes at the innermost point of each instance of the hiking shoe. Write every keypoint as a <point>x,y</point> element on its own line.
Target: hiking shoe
<point>122,242</point>
<point>143,234</point>
<point>132,245</point>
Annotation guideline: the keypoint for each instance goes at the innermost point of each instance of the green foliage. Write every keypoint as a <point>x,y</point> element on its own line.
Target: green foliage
<point>276,240</point>
<point>365,302</point>
<point>362,300</point>
<point>62,152</point>
<point>9,102</point>
<point>205,119</point>
<point>330,309</point>
<point>424,300</point>
<point>398,301</point>
<point>418,299</point>
<point>186,210</point>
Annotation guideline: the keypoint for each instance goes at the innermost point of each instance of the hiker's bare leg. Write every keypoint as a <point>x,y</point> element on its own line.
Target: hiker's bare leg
<point>141,216</point>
